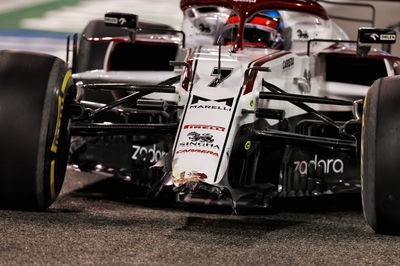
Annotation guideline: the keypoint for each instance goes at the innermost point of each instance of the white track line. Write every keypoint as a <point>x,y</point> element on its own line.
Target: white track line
<point>10,5</point>
<point>74,18</point>
<point>54,46</point>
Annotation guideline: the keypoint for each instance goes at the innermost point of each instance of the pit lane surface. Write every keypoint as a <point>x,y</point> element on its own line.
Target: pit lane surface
<point>98,221</point>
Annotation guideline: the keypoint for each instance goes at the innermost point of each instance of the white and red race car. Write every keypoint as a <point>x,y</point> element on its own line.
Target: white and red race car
<point>252,100</point>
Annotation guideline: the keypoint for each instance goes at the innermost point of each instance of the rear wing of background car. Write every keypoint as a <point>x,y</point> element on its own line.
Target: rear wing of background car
<point>130,22</point>
<point>373,36</point>
<point>368,18</point>
<point>365,36</point>
<point>161,35</point>
<point>123,20</point>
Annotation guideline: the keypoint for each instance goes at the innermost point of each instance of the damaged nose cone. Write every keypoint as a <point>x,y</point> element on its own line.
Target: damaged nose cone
<point>187,188</point>
<point>193,190</point>
<point>188,177</point>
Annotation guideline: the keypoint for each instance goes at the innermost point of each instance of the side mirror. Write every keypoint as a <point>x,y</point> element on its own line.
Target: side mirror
<point>123,20</point>
<point>373,36</point>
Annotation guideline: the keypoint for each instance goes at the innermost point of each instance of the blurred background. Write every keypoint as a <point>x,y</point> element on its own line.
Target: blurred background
<point>41,25</point>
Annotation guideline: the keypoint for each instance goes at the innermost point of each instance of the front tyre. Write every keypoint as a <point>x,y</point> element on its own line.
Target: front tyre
<point>34,137</point>
<point>380,149</point>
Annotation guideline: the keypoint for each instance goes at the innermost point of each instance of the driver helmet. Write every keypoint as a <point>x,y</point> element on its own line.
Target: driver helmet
<point>263,30</point>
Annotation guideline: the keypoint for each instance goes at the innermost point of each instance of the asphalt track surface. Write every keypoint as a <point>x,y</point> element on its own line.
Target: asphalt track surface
<point>98,221</point>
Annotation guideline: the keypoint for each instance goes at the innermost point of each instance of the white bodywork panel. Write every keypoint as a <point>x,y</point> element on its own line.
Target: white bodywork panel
<point>136,77</point>
<point>213,109</point>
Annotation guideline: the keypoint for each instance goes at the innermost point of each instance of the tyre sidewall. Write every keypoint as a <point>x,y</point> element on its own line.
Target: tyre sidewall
<point>368,140</point>
<point>380,156</point>
<point>54,136</point>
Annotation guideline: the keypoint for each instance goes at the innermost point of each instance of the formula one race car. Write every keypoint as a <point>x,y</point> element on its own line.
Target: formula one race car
<point>252,100</point>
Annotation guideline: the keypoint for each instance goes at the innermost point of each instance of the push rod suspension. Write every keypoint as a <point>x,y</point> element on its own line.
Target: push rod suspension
<point>301,105</point>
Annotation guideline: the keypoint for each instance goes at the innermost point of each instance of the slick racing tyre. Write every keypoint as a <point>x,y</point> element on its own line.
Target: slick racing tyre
<point>34,135</point>
<point>380,149</point>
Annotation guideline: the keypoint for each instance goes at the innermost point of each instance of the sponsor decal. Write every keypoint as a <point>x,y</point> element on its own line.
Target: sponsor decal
<point>374,36</point>
<point>383,37</point>
<point>191,144</point>
<point>328,165</point>
<point>204,103</point>
<point>205,137</point>
<point>150,154</point>
<point>56,138</point>
<point>247,146</point>
<point>60,108</point>
<point>225,73</point>
<point>197,151</point>
<point>302,34</point>
<point>204,28</point>
<point>197,140</point>
<point>251,104</point>
<point>217,128</point>
<point>388,37</point>
<point>227,101</point>
<point>122,21</point>
<point>111,20</point>
<point>288,63</point>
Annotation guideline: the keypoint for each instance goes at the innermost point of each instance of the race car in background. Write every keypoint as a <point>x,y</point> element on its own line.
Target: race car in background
<point>252,100</point>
